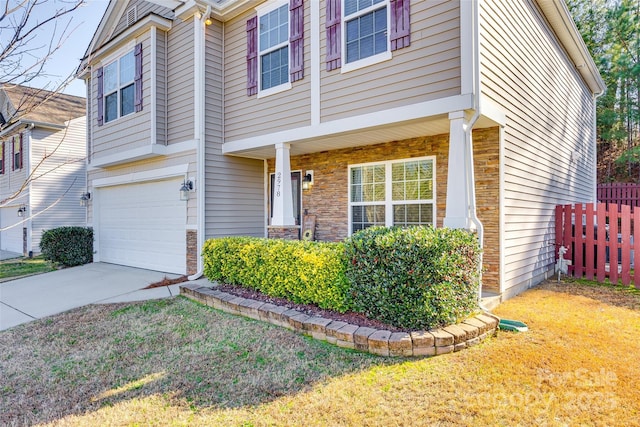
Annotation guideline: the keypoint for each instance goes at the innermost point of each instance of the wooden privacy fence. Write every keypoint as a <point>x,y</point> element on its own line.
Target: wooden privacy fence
<point>619,193</point>
<point>599,241</point>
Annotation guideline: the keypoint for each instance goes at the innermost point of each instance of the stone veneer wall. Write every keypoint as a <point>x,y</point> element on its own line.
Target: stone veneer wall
<point>286,233</point>
<point>192,252</point>
<point>328,198</point>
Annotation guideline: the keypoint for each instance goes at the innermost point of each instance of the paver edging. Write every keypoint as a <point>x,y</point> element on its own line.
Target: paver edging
<point>380,342</point>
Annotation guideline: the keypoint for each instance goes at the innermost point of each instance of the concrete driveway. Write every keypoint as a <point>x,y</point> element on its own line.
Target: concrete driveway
<point>35,297</point>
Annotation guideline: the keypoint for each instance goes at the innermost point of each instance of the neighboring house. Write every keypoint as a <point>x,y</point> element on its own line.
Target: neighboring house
<point>468,114</point>
<point>42,165</point>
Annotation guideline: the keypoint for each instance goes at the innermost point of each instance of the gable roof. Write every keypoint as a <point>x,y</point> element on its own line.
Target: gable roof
<point>32,105</point>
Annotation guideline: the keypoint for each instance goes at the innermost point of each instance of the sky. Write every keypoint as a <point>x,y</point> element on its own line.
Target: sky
<point>84,23</point>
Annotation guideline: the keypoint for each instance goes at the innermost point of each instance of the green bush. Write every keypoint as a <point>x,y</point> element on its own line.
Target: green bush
<point>300,271</point>
<point>414,278</point>
<point>68,246</point>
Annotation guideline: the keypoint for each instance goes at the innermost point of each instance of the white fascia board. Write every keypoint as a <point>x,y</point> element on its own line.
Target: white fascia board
<point>492,111</point>
<point>423,110</point>
<point>136,30</point>
<point>151,175</point>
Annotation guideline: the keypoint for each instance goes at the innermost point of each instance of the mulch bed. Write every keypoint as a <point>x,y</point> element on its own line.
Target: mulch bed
<point>358,319</point>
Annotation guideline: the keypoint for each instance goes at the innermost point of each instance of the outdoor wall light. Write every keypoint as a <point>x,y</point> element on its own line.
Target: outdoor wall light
<point>22,210</point>
<point>187,186</point>
<point>307,181</point>
<point>84,199</point>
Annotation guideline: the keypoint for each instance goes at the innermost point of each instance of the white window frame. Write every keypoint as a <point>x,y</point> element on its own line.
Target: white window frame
<point>264,10</point>
<point>119,85</point>
<point>370,60</point>
<point>388,202</point>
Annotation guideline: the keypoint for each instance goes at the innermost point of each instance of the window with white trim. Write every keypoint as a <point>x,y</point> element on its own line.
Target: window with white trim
<point>119,87</point>
<point>397,192</point>
<point>273,46</point>
<point>366,24</point>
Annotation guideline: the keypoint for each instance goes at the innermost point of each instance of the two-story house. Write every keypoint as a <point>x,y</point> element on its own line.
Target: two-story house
<point>42,165</point>
<point>211,118</point>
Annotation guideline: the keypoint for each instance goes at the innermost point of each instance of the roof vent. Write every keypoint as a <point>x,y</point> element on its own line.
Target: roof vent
<point>132,15</point>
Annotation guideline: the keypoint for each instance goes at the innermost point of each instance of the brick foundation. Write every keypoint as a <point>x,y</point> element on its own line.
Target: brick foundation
<point>192,252</point>
<point>328,198</point>
<point>286,233</point>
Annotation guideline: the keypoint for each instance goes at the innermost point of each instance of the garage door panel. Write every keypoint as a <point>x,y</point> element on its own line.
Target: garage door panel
<point>143,225</point>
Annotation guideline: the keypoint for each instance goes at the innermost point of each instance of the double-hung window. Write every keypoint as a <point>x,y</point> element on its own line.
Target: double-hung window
<point>119,87</point>
<point>398,192</point>
<point>366,24</point>
<point>17,152</point>
<point>273,41</point>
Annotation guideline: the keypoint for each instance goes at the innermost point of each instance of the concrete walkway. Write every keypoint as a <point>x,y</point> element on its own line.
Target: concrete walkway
<point>34,297</point>
<point>8,255</point>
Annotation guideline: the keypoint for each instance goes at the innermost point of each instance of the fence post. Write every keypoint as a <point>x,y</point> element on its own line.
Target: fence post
<point>590,243</point>
<point>625,217</point>
<point>601,219</point>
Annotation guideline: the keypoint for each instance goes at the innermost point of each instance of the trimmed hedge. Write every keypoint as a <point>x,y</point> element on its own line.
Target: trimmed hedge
<point>300,271</point>
<point>414,278</point>
<point>68,246</point>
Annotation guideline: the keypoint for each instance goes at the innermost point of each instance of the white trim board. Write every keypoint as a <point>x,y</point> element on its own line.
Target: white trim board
<point>168,172</point>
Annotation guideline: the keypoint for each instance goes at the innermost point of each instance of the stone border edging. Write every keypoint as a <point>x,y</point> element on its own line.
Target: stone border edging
<point>380,342</point>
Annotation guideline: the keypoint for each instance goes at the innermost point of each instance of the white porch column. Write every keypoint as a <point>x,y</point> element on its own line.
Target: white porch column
<point>282,189</point>
<point>458,193</point>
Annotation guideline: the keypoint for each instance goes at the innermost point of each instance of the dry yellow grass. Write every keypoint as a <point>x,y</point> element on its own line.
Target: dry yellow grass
<point>578,365</point>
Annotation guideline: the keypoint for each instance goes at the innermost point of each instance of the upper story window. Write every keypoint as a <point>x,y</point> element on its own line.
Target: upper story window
<point>17,152</point>
<point>360,33</point>
<point>399,192</point>
<point>366,28</point>
<point>275,47</point>
<point>120,86</point>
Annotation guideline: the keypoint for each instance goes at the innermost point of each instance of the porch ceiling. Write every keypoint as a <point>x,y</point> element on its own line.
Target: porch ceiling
<point>371,135</point>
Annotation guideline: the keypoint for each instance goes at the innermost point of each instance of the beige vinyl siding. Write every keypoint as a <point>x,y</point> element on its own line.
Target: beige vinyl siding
<point>234,186</point>
<point>58,163</point>
<point>249,116</point>
<point>161,87</point>
<point>180,84</point>
<point>130,131</point>
<point>548,141</point>
<point>143,9</point>
<point>428,69</point>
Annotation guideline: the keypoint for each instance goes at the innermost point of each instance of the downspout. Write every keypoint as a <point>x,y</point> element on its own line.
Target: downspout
<point>199,94</point>
<point>469,136</point>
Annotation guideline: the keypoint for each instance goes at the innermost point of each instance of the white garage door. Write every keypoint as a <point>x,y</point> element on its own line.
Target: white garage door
<point>11,239</point>
<point>142,225</point>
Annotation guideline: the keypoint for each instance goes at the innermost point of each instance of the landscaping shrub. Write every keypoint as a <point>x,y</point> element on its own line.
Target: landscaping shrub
<point>414,278</point>
<point>68,246</point>
<point>300,271</point>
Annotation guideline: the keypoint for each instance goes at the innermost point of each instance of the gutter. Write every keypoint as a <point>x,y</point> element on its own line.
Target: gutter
<point>199,92</point>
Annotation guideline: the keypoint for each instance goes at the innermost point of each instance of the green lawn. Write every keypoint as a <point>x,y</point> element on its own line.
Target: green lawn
<point>24,266</point>
<point>176,362</point>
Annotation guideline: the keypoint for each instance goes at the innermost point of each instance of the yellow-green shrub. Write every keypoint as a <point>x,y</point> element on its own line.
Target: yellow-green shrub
<point>300,271</point>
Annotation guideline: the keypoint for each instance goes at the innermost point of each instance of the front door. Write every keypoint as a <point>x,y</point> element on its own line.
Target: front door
<point>296,185</point>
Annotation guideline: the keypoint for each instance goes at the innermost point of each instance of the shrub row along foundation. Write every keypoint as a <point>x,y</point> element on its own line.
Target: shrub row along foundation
<point>380,342</point>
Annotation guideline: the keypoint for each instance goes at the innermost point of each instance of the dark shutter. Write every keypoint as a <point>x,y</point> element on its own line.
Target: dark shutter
<point>400,34</point>
<point>20,160</point>
<point>13,153</point>
<point>100,97</point>
<point>3,163</point>
<point>333,34</point>
<point>252,56</point>
<point>138,79</point>
<point>296,24</point>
